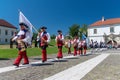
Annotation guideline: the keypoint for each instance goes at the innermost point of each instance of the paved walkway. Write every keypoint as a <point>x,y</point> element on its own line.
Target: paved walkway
<point>79,71</point>
<point>102,65</point>
<point>49,61</point>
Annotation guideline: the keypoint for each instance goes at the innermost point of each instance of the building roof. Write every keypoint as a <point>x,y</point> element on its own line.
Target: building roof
<point>106,22</point>
<point>6,24</point>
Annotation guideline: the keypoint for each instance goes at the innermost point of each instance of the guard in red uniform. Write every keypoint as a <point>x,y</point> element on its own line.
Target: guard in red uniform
<point>23,38</point>
<point>75,45</point>
<point>60,41</point>
<point>44,40</point>
<point>84,46</point>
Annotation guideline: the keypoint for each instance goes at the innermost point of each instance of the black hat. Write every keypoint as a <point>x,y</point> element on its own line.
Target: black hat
<point>43,27</point>
<point>23,25</point>
<point>59,31</point>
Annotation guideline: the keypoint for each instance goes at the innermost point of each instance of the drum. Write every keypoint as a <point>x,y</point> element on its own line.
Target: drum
<point>21,45</point>
<point>66,44</point>
<point>75,44</point>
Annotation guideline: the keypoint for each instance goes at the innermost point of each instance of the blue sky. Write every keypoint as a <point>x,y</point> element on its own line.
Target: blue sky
<point>59,14</point>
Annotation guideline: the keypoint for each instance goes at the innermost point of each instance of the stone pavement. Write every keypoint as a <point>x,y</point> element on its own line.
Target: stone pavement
<point>108,69</point>
<point>80,70</point>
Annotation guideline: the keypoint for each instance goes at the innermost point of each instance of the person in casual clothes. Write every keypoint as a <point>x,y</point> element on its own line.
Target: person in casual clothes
<point>44,40</point>
<point>84,44</point>
<point>91,43</point>
<point>12,42</point>
<point>59,41</point>
<point>69,46</point>
<point>80,48</point>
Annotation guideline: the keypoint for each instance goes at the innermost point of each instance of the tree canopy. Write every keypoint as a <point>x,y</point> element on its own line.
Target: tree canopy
<point>78,30</point>
<point>74,29</point>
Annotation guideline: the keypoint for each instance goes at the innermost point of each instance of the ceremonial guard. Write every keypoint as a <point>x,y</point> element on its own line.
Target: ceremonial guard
<point>23,39</point>
<point>68,45</point>
<point>75,44</point>
<point>60,42</point>
<point>44,40</point>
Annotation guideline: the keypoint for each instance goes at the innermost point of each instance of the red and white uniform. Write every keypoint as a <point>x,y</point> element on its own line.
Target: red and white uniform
<point>59,39</point>
<point>25,37</point>
<point>80,47</point>
<point>75,45</point>
<point>44,40</point>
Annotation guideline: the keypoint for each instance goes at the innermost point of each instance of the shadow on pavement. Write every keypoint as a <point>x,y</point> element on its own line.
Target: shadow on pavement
<point>42,64</point>
<point>72,58</point>
<point>60,60</point>
<point>4,59</point>
<point>39,58</point>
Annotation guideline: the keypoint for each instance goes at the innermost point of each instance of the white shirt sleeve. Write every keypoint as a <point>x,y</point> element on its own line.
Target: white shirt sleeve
<point>48,36</point>
<point>19,33</point>
<point>28,38</point>
<point>62,37</point>
<point>56,38</point>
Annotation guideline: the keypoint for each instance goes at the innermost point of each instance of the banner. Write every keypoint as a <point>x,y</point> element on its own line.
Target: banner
<point>23,19</point>
<point>83,37</point>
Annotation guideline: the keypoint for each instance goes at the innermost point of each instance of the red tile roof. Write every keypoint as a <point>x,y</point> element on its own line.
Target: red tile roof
<point>6,24</point>
<point>106,22</point>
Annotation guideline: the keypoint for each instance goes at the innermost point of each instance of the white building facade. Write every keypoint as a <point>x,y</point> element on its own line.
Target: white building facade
<point>105,30</point>
<point>7,31</point>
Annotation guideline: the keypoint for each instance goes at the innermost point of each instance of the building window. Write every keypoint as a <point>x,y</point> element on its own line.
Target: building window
<point>95,31</point>
<point>12,33</point>
<point>111,29</point>
<point>0,31</point>
<point>6,32</point>
<point>6,40</point>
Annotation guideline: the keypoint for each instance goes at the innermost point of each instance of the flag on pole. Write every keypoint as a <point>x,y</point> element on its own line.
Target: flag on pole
<point>23,19</point>
<point>83,36</point>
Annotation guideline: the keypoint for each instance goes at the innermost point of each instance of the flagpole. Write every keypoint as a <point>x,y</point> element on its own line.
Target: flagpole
<point>35,29</point>
<point>32,25</point>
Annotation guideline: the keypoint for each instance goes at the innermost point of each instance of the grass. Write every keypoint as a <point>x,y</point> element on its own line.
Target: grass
<point>12,53</point>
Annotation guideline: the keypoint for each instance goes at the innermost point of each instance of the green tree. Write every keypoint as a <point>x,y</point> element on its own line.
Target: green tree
<point>53,36</point>
<point>34,36</point>
<point>74,30</point>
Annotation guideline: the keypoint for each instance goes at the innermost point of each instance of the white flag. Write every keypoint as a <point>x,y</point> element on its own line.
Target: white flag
<point>23,19</point>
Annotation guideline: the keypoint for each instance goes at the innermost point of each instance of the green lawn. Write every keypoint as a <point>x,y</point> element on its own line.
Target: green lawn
<point>12,53</point>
